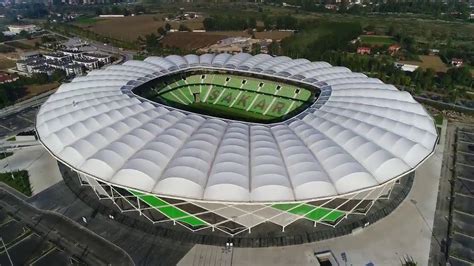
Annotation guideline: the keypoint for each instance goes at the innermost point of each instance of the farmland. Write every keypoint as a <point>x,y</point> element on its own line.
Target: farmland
<point>429,61</point>
<point>129,28</point>
<point>190,40</point>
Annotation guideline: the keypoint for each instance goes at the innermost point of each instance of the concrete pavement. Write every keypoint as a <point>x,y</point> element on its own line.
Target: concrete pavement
<point>41,166</point>
<point>405,232</point>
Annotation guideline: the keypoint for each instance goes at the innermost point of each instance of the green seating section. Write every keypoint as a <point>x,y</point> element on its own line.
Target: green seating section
<point>266,98</point>
<point>170,211</point>
<point>311,212</point>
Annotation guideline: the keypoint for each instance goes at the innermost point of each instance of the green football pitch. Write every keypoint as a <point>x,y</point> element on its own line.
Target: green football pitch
<point>231,96</point>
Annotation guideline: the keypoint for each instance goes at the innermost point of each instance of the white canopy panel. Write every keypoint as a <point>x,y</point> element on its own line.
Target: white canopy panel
<point>365,134</point>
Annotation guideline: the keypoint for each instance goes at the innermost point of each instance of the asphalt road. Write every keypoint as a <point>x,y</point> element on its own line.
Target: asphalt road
<point>77,240</point>
<point>21,116</point>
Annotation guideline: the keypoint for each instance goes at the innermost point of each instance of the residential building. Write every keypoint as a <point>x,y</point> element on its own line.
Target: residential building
<point>392,49</point>
<point>103,58</point>
<point>16,29</point>
<point>363,50</point>
<point>457,62</point>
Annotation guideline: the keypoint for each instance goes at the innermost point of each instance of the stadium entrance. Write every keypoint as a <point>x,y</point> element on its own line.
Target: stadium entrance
<point>230,96</point>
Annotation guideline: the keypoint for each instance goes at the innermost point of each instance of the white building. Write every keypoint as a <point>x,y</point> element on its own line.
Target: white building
<point>102,58</point>
<point>339,155</point>
<point>86,62</point>
<point>406,67</point>
<point>16,29</point>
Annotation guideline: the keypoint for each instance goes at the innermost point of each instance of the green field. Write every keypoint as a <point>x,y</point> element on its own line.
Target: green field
<point>18,180</point>
<point>376,40</point>
<point>232,97</point>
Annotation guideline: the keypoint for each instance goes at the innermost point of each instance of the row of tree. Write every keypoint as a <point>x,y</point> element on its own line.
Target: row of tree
<point>453,83</point>
<point>117,10</point>
<point>229,23</point>
<point>234,22</point>
<point>311,43</point>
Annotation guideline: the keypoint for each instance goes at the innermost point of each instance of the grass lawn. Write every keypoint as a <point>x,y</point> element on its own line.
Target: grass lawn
<point>471,68</point>
<point>20,182</point>
<point>438,119</point>
<point>376,40</point>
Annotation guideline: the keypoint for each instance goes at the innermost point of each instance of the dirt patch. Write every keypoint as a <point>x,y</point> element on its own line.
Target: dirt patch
<point>6,63</point>
<point>33,90</point>
<point>191,40</point>
<point>429,61</point>
<point>129,28</point>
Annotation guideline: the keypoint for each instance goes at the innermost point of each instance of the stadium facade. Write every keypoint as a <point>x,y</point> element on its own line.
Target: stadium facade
<point>338,141</point>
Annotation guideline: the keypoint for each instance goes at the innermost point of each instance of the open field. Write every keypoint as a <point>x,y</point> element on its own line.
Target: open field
<point>190,40</point>
<point>129,28</point>
<point>377,40</point>
<point>429,61</point>
<point>30,42</point>
<point>21,45</point>
<point>6,63</point>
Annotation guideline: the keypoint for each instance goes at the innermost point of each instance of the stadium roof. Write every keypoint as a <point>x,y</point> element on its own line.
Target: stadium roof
<point>359,134</point>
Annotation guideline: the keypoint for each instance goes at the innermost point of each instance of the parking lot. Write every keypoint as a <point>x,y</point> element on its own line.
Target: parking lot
<point>21,246</point>
<point>15,123</point>
<point>462,211</point>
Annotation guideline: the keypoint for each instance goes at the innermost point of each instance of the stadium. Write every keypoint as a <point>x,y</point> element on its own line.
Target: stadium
<point>236,143</point>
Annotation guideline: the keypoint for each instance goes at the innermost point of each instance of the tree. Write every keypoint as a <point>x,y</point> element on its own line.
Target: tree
<point>2,37</point>
<point>183,27</point>
<point>24,34</point>
<point>58,75</point>
<point>209,24</point>
<point>115,10</point>
<point>391,30</point>
<point>98,11</point>
<point>252,23</point>
<point>460,76</point>
<point>273,48</point>
<point>161,31</point>
<point>256,48</point>
<point>370,27</point>
<point>125,12</point>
